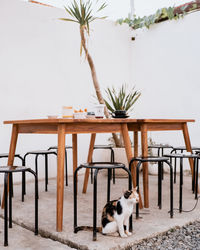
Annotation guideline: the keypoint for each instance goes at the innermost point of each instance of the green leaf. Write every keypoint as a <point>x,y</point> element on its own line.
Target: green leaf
<point>68,19</point>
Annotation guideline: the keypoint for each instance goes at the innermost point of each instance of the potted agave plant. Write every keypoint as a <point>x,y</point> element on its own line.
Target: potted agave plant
<point>120,102</point>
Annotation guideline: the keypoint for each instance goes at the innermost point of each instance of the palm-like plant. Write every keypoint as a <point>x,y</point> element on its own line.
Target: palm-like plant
<point>123,99</point>
<point>84,13</point>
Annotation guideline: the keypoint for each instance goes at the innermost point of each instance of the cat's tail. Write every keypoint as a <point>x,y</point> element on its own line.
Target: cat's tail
<point>89,228</point>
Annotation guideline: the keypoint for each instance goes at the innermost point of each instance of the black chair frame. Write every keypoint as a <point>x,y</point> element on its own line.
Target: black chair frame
<point>194,176</point>
<point>7,170</point>
<point>99,166</point>
<point>160,161</point>
<point>66,171</point>
<point>112,159</point>
<point>37,153</point>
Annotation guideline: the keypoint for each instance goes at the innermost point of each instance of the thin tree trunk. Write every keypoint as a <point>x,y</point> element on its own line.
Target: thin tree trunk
<point>95,81</point>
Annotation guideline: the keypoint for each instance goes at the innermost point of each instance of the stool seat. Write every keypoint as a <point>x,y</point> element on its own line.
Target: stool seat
<point>160,146</point>
<point>6,155</point>
<point>184,148</point>
<point>150,159</point>
<point>41,152</point>
<point>104,165</point>
<point>182,155</point>
<point>102,146</point>
<point>56,147</point>
<point>10,169</point>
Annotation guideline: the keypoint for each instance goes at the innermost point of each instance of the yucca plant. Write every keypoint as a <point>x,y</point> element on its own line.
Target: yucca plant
<point>83,13</point>
<point>121,99</point>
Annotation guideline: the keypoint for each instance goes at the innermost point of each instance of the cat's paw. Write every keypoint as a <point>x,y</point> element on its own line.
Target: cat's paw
<point>128,233</point>
<point>116,234</point>
<point>123,235</point>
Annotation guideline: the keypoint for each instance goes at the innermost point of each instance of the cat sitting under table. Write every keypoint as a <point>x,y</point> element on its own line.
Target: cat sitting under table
<point>116,214</point>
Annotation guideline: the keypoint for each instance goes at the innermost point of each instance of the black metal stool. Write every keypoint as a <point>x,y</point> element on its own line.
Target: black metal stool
<point>45,153</point>
<point>66,147</point>
<point>160,161</point>
<point>160,148</point>
<point>160,152</point>
<point>7,170</point>
<point>180,149</point>
<point>98,166</point>
<point>112,158</point>
<point>181,157</point>
<point>5,155</point>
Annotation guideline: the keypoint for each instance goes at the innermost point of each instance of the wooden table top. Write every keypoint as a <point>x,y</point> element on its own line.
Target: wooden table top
<point>97,120</point>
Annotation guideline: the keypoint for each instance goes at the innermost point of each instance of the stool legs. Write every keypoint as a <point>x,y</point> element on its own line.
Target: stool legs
<point>197,172</point>
<point>36,200</point>
<point>137,183</point>
<point>46,172</point>
<point>112,155</point>
<point>95,206</point>
<point>171,190</point>
<point>181,185</point>
<point>6,210</point>
<point>10,199</point>
<point>108,185</point>
<point>75,199</point>
<point>160,185</point>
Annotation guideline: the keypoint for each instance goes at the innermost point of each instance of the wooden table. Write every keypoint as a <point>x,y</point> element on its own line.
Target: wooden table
<point>61,127</point>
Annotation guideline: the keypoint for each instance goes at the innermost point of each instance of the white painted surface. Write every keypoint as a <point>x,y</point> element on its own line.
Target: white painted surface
<point>165,66</point>
<point>41,70</point>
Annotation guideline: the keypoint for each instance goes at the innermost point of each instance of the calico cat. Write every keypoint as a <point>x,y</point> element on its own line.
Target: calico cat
<point>116,213</point>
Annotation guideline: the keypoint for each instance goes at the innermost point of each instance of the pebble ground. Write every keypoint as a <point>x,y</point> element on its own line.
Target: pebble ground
<point>187,237</point>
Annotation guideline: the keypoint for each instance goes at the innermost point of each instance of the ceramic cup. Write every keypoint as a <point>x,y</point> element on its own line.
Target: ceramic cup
<point>99,111</point>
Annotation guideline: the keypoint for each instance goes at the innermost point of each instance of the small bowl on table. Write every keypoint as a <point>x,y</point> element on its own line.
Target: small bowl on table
<point>52,116</point>
<point>80,115</point>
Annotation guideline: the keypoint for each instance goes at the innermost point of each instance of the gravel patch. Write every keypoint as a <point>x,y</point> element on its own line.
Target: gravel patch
<point>187,237</point>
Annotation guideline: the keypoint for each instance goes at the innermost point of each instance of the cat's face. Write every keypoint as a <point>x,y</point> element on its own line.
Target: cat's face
<point>132,195</point>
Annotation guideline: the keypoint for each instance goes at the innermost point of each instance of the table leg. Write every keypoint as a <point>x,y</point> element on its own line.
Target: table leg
<point>89,159</point>
<point>129,154</point>
<point>60,176</point>
<point>188,145</point>
<point>135,139</point>
<point>13,144</point>
<point>144,143</point>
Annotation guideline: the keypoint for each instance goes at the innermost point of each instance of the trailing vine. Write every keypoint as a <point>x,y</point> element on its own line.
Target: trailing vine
<point>161,15</point>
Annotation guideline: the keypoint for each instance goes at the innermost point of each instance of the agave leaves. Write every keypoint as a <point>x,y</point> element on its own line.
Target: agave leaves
<point>121,99</point>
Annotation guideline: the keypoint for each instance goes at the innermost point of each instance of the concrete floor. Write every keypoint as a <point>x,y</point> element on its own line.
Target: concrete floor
<point>153,221</point>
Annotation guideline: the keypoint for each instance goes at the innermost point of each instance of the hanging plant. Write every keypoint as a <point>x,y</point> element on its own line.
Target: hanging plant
<point>161,15</point>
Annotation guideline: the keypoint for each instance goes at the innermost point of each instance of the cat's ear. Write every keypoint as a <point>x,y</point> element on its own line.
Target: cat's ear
<point>136,188</point>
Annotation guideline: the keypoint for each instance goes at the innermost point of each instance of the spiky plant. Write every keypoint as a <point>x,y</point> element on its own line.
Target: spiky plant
<point>83,13</point>
<point>123,99</point>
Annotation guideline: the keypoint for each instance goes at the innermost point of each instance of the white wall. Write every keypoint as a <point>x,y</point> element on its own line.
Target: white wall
<point>165,65</point>
<point>41,69</point>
